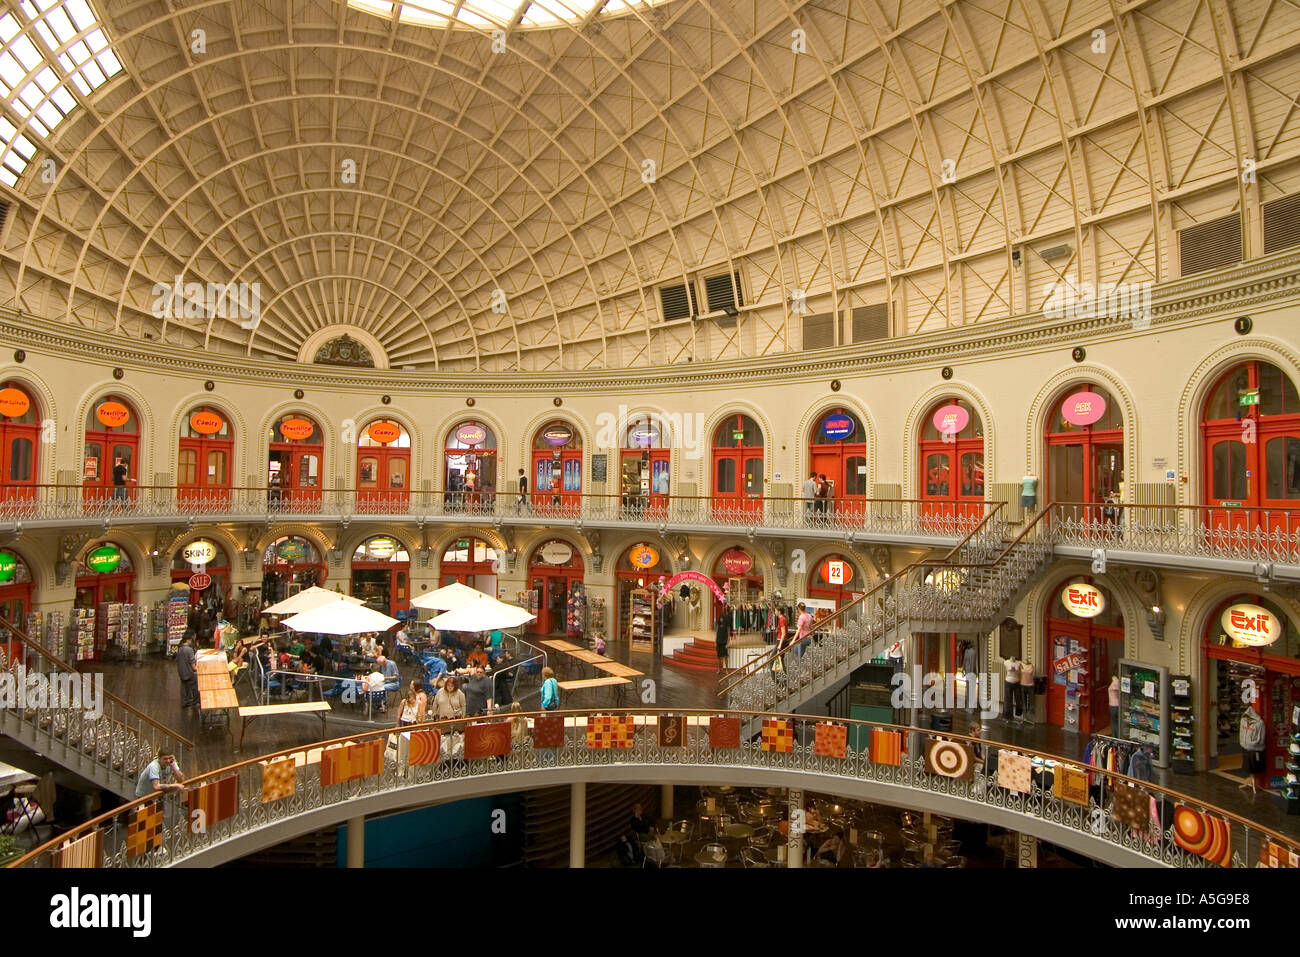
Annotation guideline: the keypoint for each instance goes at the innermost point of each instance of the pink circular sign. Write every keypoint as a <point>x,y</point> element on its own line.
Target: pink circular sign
<point>951,419</point>
<point>736,562</point>
<point>1083,408</point>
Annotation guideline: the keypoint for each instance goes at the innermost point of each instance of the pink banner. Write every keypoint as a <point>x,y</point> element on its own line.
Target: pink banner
<point>695,577</point>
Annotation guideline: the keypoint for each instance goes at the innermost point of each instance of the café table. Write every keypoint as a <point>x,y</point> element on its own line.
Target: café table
<point>711,855</point>
<point>674,839</point>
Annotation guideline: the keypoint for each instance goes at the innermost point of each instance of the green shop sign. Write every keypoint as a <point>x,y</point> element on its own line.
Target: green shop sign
<point>8,565</point>
<point>292,550</point>
<point>104,559</point>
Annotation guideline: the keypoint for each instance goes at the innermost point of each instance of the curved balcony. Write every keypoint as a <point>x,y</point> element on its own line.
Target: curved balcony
<point>262,801</point>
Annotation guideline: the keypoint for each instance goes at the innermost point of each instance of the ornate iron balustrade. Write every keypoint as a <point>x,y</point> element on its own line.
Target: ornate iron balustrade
<point>266,803</point>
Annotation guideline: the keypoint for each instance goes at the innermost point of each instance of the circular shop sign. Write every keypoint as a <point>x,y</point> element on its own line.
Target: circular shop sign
<point>104,560</point>
<point>14,403</point>
<point>384,432</point>
<point>297,429</point>
<point>643,556</point>
<point>1251,625</point>
<point>644,435</point>
<point>8,566</point>
<point>200,552</point>
<point>470,434</point>
<point>1083,408</point>
<point>951,419</point>
<point>556,553</point>
<point>736,562</point>
<point>837,571</point>
<point>113,414</point>
<point>557,435</point>
<point>206,423</point>
<point>200,581</point>
<point>1083,600</point>
<point>838,426</point>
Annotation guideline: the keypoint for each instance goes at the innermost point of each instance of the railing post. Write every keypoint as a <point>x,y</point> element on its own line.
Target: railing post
<point>356,838</point>
<point>578,824</point>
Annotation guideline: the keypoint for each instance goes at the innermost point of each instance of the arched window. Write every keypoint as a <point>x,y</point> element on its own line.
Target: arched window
<point>381,573</point>
<point>109,465</point>
<point>646,465</point>
<point>472,562</point>
<point>20,443</point>
<point>555,573</point>
<point>951,457</point>
<point>1085,449</point>
<point>294,464</point>
<point>836,577</point>
<point>15,602</point>
<point>383,467</point>
<point>104,575</point>
<point>837,450</point>
<point>738,468</point>
<point>203,461</point>
<point>557,468</point>
<point>471,453</point>
<point>1250,429</point>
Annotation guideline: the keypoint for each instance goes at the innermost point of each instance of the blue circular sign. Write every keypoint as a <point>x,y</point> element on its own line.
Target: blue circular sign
<point>837,426</point>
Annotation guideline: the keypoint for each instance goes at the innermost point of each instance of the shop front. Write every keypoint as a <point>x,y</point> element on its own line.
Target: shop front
<point>637,571</point>
<point>289,565</point>
<point>20,443</point>
<point>294,464</point>
<point>383,467</point>
<point>15,602</point>
<point>471,458</point>
<point>1085,451</point>
<point>104,574</point>
<point>646,468</point>
<point>1251,433</point>
<point>555,572</point>
<point>1084,644</point>
<point>737,468</point>
<point>203,461</point>
<point>112,436</point>
<point>1252,660</point>
<point>472,562</point>
<point>837,579</point>
<point>838,450</point>
<point>204,568</point>
<point>557,468</point>
<point>951,456</point>
<point>739,576</point>
<point>381,575</point>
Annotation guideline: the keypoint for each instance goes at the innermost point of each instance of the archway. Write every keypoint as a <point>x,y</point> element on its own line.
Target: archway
<point>737,469</point>
<point>645,468</point>
<point>1085,451</point>
<point>471,460</point>
<point>1082,619</point>
<point>383,467</point>
<point>557,469</point>
<point>290,564</point>
<point>295,463</point>
<point>837,449</point>
<point>20,442</point>
<point>381,574</point>
<point>952,460</point>
<point>203,460</point>
<point>555,575</point>
<point>110,469</point>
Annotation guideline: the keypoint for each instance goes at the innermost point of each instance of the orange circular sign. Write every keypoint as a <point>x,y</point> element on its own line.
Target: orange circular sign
<point>206,423</point>
<point>296,429</point>
<point>113,414</point>
<point>14,403</point>
<point>384,432</point>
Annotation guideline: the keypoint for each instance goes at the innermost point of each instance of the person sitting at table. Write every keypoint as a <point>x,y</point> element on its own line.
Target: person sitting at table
<point>309,656</point>
<point>296,646</point>
<point>478,657</point>
<point>236,664</point>
<point>833,849</point>
<point>449,702</point>
<point>414,705</point>
<point>453,660</point>
<point>392,678</point>
<point>369,646</point>
<point>374,686</point>
<point>518,724</point>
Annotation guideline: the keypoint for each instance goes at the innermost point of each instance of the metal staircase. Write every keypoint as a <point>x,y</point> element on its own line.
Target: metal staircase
<point>108,749</point>
<point>969,590</point>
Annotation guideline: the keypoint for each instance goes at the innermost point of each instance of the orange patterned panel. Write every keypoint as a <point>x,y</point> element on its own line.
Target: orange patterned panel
<point>886,747</point>
<point>486,740</point>
<point>1203,834</point>
<point>777,735</point>
<point>279,780</point>
<point>724,733</point>
<point>210,803</point>
<point>548,731</point>
<point>424,746</point>
<point>144,829</point>
<point>351,761</point>
<point>85,851</point>
<point>831,740</point>
<point>610,731</point>
<point>1070,784</point>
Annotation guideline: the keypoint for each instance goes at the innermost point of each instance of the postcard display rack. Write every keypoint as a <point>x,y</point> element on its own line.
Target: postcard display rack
<point>1182,738</point>
<point>81,634</point>
<point>641,618</point>
<point>1291,782</point>
<point>596,618</point>
<point>1144,706</point>
<point>174,615</point>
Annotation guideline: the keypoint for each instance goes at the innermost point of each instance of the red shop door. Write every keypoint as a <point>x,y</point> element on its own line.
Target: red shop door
<point>203,473</point>
<point>18,446</point>
<point>105,448</point>
<point>952,480</point>
<point>557,482</point>
<point>299,489</point>
<point>383,479</point>
<point>737,483</point>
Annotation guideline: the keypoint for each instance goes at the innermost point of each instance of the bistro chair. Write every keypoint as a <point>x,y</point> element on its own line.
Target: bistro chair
<point>654,853</point>
<point>753,857</point>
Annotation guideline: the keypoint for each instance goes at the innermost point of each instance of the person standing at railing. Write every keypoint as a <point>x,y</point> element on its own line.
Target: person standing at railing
<point>721,632</point>
<point>825,495</point>
<point>160,774</point>
<point>522,501</point>
<point>810,497</point>
<point>121,473</point>
<point>187,673</point>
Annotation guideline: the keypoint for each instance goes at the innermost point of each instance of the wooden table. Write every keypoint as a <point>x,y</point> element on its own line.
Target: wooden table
<point>619,670</point>
<point>582,683</point>
<point>560,645</point>
<point>250,714</point>
<point>216,693</point>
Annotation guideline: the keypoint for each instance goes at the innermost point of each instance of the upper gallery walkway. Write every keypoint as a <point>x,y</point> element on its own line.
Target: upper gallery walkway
<point>1260,542</point>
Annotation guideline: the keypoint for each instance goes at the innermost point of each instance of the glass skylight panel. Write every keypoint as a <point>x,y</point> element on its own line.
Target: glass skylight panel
<point>35,78</point>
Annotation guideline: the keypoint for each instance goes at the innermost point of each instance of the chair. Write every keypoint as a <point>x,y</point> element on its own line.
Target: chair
<point>753,857</point>
<point>654,853</point>
<point>717,855</point>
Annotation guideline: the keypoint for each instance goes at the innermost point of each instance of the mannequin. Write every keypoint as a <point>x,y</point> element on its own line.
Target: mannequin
<point>1251,737</point>
<point>1112,694</point>
<point>1026,689</point>
<point>1011,701</point>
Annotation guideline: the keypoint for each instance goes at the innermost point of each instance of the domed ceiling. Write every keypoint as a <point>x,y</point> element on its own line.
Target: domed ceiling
<point>526,186</point>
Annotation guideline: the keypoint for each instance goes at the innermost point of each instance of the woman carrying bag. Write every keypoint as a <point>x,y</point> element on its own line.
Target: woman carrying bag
<point>550,690</point>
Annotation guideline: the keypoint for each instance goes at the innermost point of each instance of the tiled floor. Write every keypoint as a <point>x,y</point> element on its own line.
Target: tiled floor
<point>154,688</point>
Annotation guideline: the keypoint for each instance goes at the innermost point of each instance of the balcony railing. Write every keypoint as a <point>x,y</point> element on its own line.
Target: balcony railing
<point>267,793</point>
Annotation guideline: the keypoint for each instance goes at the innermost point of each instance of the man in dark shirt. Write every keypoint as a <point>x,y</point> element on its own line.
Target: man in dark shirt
<point>503,681</point>
<point>189,677</point>
<point>120,472</point>
<point>523,491</point>
<point>478,694</point>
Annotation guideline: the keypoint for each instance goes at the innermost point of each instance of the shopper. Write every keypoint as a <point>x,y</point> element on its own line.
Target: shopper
<point>160,774</point>
<point>810,497</point>
<point>120,473</point>
<point>478,694</point>
<point>825,494</point>
<point>478,657</point>
<point>803,628</point>
<point>392,677</point>
<point>721,632</point>
<point>413,705</point>
<point>550,690</point>
<point>187,673</point>
<point>449,702</point>
<point>968,665</point>
<point>523,491</point>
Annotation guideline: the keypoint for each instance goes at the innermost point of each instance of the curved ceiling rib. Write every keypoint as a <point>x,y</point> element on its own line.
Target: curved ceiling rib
<point>577,156</point>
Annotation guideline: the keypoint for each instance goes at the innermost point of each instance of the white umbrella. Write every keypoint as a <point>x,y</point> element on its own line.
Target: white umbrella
<point>482,614</point>
<point>448,597</point>
<point>343,617</point>
<point>306,600</point>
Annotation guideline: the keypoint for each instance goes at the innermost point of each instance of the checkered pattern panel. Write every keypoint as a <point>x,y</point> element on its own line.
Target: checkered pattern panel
<point>778,735</point>
<point>279,780</point>
<point>610,731</point>
<point>831,740</point>
<point>144,829</point>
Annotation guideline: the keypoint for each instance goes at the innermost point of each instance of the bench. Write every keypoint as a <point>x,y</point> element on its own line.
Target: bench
<point>249,714</point>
